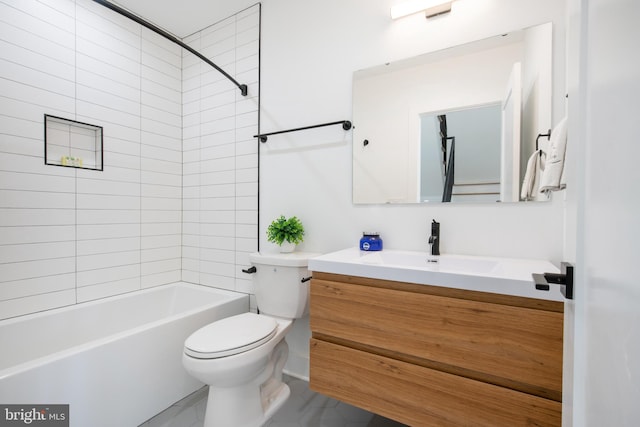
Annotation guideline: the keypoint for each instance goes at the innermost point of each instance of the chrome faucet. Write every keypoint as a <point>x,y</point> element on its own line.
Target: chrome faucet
<point>434,239</point>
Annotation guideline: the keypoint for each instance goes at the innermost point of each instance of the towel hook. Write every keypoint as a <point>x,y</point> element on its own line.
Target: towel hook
<point>540,135</point>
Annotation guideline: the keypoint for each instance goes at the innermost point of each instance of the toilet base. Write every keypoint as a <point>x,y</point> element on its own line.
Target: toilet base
<point>251,404</point>
<point>242,416</point>
<point>277,397</point>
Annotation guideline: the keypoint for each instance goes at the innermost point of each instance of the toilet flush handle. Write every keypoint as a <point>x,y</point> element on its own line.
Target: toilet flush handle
<point>305,279</point>
<point>250,270</point>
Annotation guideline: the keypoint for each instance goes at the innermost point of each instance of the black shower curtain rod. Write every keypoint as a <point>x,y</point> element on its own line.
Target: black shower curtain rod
<point>346,125</point>
<point>126,13</point>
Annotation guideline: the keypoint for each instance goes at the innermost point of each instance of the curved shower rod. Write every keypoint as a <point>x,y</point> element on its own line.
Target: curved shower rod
<point>126,13</point>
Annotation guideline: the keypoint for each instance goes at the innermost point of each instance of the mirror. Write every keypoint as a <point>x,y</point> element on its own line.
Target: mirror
<point>494,97</point>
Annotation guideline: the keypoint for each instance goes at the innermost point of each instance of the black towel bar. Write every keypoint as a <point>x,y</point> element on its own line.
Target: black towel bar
<point>346,125</point>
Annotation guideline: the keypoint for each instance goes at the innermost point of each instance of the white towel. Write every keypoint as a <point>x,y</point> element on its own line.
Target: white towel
<point>530,183</point>
<point>554,166</point>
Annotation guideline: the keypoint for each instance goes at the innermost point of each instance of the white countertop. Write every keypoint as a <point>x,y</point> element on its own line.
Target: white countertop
<point>508,276</point>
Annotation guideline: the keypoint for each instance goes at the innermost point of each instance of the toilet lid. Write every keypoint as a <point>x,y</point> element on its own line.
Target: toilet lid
<point>229,336</point>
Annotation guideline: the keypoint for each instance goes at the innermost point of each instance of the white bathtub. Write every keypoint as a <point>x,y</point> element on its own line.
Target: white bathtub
<point>115,361</point>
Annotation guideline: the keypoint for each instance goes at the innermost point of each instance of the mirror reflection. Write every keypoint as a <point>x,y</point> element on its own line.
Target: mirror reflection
<point>462,145</point>
<point>492,95</point>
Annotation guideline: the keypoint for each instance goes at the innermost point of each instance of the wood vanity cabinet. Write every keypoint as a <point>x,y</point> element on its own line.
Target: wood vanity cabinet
<point>433,356</point>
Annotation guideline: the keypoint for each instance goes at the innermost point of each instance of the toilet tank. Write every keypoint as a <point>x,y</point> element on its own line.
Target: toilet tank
<point>278,283</point>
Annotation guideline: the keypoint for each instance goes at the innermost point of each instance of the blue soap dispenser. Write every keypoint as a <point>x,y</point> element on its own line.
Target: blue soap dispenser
<point>370,242</point>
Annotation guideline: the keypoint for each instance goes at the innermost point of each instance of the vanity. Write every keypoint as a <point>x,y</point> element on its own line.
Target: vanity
<point>462,341</point>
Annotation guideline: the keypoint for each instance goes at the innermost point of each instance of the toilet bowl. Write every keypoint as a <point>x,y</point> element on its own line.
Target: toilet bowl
<point>241,357</point>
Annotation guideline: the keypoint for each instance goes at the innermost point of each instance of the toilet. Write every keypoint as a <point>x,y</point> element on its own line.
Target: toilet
<point>241,357</point>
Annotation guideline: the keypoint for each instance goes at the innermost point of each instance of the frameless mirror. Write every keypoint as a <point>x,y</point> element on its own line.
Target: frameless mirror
<point>456,125</point>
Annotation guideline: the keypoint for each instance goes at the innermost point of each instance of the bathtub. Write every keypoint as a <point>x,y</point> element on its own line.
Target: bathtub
<point>115,361</point>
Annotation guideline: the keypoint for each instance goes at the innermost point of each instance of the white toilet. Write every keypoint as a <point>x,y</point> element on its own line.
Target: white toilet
<point>241,357</point>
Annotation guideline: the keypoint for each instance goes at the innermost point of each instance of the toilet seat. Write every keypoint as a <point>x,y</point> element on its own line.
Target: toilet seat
<point>229,336</point>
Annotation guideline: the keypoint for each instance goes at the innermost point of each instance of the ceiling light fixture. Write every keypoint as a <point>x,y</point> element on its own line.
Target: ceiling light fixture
<point>430,7</point>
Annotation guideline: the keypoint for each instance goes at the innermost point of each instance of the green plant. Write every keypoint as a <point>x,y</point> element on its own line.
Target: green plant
<point>283,229</point>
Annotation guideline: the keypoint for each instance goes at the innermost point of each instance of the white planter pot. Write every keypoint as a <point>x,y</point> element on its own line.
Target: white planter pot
<point>287,247</point>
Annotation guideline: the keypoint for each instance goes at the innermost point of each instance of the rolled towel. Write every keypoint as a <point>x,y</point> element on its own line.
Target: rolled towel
<point>530,183</point>
<point>554,165</point>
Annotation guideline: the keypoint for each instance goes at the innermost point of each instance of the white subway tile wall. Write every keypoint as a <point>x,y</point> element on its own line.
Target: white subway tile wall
<point>179,157</point>
<point>220,154</point>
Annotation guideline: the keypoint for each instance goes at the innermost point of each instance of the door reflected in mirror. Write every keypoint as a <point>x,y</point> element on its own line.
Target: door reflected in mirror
<point>476,132</point>
<point>496,97</point>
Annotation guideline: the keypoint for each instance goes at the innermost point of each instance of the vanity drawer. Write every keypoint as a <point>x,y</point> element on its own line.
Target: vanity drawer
<point>420,396</point>
<point>511,346</point>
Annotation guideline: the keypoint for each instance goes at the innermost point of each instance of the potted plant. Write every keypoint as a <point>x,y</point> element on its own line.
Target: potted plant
<point>286,233</point>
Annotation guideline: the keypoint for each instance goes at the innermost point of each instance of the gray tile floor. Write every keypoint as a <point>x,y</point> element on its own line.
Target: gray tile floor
<point>304,408</point>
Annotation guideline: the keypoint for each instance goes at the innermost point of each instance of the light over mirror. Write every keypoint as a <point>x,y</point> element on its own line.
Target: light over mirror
<point>456,125</point>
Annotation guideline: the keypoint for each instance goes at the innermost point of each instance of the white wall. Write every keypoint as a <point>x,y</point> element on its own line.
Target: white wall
<point>306,79</point>
<point>220,154</point>
<point>70,235</point>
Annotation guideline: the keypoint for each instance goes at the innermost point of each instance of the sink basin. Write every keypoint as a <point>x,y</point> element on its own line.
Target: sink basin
<point>450,263</point>
<point>507,276</point>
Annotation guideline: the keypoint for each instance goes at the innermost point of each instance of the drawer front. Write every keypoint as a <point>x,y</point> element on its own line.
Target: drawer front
<point>515,347</point>
<point>420,396</point>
